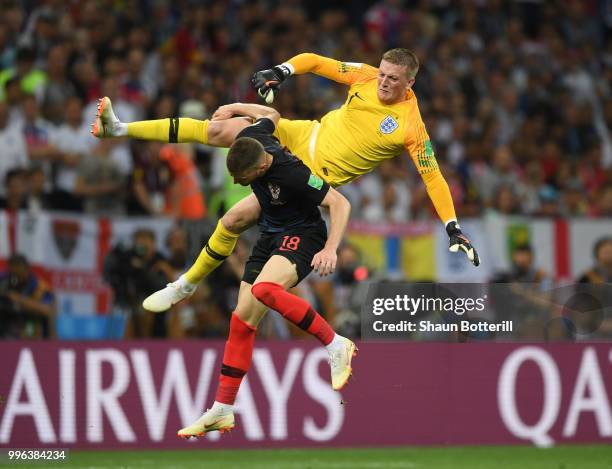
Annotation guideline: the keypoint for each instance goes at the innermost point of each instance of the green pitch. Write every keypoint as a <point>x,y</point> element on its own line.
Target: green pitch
<point>504,457</point>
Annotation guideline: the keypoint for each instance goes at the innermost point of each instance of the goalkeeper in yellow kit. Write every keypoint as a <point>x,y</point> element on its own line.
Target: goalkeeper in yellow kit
<point>379,119</point>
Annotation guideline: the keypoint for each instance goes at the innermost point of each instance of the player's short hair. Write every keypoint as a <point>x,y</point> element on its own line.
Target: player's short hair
<point>404,57</point>
<point>244,153</point>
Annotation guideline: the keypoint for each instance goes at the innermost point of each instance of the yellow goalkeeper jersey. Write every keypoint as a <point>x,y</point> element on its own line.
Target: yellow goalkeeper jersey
<point>357,137</point>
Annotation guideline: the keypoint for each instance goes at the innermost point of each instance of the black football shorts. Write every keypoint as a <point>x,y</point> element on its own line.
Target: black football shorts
<point>299,245</point>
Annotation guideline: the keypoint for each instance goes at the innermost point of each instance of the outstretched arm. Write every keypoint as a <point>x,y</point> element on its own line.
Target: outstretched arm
<point>266,81</point>
<point>342,72</point>
<point>421,152</point>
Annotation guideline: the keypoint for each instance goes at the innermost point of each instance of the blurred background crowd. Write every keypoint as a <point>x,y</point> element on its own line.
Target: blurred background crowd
<point>516,97</point>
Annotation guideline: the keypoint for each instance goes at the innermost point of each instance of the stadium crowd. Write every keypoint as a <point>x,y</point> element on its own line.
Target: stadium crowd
<point>516,96</point>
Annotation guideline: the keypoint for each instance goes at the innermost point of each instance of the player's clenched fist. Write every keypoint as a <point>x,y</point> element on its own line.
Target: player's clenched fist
<point>324,262</point>
<point>266,81</point>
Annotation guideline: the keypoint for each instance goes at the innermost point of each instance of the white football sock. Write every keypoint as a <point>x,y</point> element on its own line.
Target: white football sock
<point>221,408</point>
<point>119,129</point>
<point>186,285</point>
<point>335,344</point>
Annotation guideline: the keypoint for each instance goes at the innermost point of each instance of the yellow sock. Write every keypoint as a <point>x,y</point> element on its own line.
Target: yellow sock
<point>173,130</point>
<point>219,246</point>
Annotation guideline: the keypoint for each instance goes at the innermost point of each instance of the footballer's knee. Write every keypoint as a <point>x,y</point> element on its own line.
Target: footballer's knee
<point>236,222</point>
<point>216,133</point>
<point>241,216</point>
<point>222,133</point>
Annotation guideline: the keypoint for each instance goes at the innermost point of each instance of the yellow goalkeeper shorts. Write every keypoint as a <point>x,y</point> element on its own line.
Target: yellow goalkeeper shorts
<point>297,136</point>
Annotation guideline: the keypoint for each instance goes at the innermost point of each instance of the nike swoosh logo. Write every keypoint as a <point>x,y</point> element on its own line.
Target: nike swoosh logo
<point>356,95</point>
<point>211,425</point>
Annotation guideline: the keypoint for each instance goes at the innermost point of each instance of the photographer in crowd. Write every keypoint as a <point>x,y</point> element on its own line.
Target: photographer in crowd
<point>27,304</point>
<point>133,274</point>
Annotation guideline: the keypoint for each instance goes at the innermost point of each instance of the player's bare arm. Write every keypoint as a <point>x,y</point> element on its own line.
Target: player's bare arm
<point>339,207</point>
<point>252,111</point>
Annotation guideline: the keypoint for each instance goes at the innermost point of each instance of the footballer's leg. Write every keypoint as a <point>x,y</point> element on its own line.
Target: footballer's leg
<point>218,133</point>
<point>270,287</point>
<point>237,358</point>
<point>219,246</point>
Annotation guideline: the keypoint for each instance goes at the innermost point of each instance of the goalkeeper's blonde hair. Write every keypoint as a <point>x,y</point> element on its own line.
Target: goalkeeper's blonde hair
<point>404,57</point>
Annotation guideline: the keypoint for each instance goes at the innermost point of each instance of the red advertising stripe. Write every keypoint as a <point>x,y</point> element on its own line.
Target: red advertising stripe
<point>562,254</point>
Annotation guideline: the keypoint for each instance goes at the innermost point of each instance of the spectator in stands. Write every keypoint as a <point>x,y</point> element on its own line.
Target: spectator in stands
<point>587,309</point>
<point>394,205</point>
<point>27,303</point>
<point>38,197</point>
<point>75,143</point>
<point>181,318</point>
<point>503,173</point>
<point>39,135</point>
<point>100,182</point>
<point>31,79</point>
<point>7,50</point>
<point>550,203</point>
<point>184,199</point>
<point>12,145</point>
<point>534,182</point>
<point>15,190</point>
<point>574,200</point>
<point>505,201</point>
<point>137,86</point>
<point>601,272</point>
<point>523,294</point>
<point>523,268</point>
<point>14,95</point>
<point>149,180</point>
<point>603,202</point>
<point>135,273</point>
<point>59,87</point>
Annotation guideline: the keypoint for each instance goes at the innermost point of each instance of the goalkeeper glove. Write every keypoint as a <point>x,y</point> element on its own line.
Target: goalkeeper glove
<point>267,81</point>
<point>458,241</point>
